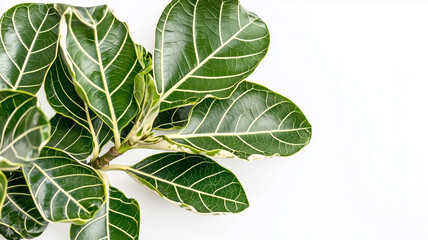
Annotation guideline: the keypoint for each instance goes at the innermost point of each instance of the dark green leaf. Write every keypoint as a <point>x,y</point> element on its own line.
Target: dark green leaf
<point>104,62</point>
<point>172,118</point>
<point>205,48</point>
<point>70,137</point>
<point>119,218</point>
<point>192,181</point>
<point>254,121</point>
<point>64,189</point>
<point>20,218</point>
<point>64,99</point>
<point>24,128</point>
<point>29,37</point>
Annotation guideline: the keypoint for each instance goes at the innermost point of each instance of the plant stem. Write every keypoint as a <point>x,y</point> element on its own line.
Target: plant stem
<point>105,159</point>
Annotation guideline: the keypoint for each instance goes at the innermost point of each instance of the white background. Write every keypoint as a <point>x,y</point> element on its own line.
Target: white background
<point>359,71</point>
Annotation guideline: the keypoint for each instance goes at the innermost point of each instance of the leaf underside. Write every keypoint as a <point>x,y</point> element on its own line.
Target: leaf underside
<point>194,182</point>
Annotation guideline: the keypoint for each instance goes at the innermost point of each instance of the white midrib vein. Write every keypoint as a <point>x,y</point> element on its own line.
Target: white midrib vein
<point>96,149</point>
<point>60,188</point>
<point>175,136</point>
<point>107,206</point>
<point>107,214</point>
<point>167,93</point>
<point>109,102</point>
<point>129,169</point>
<point>21,73</point>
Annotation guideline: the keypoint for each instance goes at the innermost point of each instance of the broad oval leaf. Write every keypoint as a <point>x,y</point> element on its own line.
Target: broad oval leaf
<point>20,218</point>
<point>64,189</point>
<point>205,48</point>
<point>3,187</point>
<point>64,99</point>
<point>29,37</point>
<point>104,63</point>
<point>70,137</point>
<point>254,121</point>
<point>172,118</point>
<point>119,218</point>
<point>24,127</point>
<point>194,182</point>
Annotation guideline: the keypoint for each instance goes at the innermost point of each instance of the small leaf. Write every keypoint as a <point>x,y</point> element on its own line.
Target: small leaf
<point>194,182</point>
<point>63,98</point>
<point>103,60</point>
<point>3,187</point>
<point>119,218</point>
<point>254,121</point>
<point>64,189</point>
<point>24,128</point>
<point>29,37</point>
<point>70,137</point>
<point>205,48</point>
<point>20,218</point>
<point>148,101</point>
<point>172,118</point>
<point>145,58</point>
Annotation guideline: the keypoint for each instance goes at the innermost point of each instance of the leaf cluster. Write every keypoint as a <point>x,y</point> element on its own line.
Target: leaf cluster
<point>105,88</point>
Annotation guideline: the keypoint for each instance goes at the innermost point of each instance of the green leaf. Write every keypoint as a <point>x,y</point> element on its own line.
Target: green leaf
<point>3,186</point>
<point>29,37</point>
<point>253,122</point>
<point>172,118</point>
<point>64,189</point>
<point>205,48</point>
<point>70,137</point>
<point>104,63</point>
<point>149,107</point>
<point>64,99</point>
<point>24,128</point>
<point>147,99</point>
<point>119,218</point>
<point>20,218</point>
<point>145,58</point>
<point>194,182</point>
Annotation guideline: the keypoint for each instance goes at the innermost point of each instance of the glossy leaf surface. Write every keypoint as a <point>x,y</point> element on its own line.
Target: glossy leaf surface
<point>64,99</point>
<point>20,217</point>
<point>24,128</point>
<point>205,47</point>
<point>194,182</point>
<point>172,118</point>
<point>104,62</point>
<point>70,137</point>
<point>119,218</point>
<point>29,37</point>
<point>253,121</point>
<point>64,189</point>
